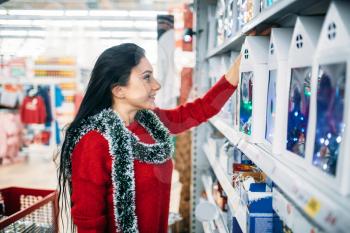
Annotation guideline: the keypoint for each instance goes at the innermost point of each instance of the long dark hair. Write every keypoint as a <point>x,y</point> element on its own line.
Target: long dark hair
<point>113,67</point>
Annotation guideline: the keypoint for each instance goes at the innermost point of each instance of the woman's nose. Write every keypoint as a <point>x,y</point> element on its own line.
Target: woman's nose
<point>156,85</point>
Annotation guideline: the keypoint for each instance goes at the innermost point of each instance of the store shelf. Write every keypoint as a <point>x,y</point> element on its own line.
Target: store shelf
<point>219,223</point>
<point>273,14</point>
<point>281,203</point>
<point>55,67</point>
<point>234,43</point>
<point>232,196</point>
<point>41,80</point>
<point>226,130</point>
<point>68,92</point>
<point>55,79</point>
<point>206,227</point>
<point>321,204</point>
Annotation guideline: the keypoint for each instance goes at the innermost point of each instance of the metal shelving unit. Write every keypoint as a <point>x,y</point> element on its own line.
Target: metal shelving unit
<point>218,223</point>
<point>206,227</point>
<point>234,201</point>
<point>320,205</point>
<point>318,202</point>
<point>56,67</point>
<point>273,15</point>
<point>47,80</point>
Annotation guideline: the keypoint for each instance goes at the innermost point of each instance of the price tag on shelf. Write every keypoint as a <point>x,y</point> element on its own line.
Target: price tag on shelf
<point>312,207</point>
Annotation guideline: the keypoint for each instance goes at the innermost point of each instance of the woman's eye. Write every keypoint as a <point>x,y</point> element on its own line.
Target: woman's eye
<point>147,77</point>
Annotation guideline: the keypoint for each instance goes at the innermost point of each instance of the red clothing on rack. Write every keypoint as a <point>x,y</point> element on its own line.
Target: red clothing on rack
<point>92,196</point>
<point>33,110</point>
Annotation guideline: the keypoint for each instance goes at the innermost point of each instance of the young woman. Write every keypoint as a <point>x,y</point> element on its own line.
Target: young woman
<point>115,165</point>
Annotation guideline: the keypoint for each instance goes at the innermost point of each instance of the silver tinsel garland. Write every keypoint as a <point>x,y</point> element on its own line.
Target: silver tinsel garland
<point>124,147</point>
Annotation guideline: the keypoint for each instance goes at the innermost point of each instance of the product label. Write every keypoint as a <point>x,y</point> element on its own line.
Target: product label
<point>312,207</point>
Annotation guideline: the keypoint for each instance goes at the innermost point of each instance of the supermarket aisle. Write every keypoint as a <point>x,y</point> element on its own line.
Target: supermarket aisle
<point>38,172</point>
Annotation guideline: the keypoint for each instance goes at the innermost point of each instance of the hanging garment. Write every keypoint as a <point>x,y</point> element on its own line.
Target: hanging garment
<point>59,98</point>
<point>10,137</point>
<point>9,96</point>
<point>58,136</point>
<point>33,110</point>
<point>44,92</point>
<point>167,74</point>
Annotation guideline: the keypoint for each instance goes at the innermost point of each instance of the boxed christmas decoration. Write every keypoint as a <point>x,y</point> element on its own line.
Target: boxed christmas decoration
<point>246,11</point>
<point>260,216</point>
<point>253,88</point>
<point>220,18</point>
<point>231,24</point>
<point>296,108</point>
<point>268,3</point>
<point>328,146</point>
<point>277,69</point>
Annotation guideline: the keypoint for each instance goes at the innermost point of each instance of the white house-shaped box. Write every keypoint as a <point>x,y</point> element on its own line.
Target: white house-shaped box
<point>253,88</point>
<point>277,69</point>
<point>328,145</point>
<point>298,78</point>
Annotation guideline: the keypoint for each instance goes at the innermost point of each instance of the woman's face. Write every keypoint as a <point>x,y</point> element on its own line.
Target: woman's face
<point>142,87</point>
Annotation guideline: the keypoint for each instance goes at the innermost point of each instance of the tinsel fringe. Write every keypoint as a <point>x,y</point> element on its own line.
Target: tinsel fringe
<point>124,147</point>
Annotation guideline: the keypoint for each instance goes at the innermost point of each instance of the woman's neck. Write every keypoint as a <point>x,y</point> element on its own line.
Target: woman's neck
<point>127,115</point>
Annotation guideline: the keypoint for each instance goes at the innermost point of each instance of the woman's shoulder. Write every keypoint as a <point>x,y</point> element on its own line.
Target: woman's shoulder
<point>92,140</point>
<point>91,160</point>
<point>93,136</point>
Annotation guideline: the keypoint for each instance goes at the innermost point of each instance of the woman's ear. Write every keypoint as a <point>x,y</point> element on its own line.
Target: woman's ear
<point>118,92</point>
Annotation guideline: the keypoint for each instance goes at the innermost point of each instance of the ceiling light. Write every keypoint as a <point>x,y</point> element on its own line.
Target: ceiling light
<point>76,13</point>
<point>98,33</point>
<point>37,33</point>
<point>87,23</point>
<point>148,34</point>
<point>122,34</point>
<point>146,13</point>
<point>16,22</point>
<point>145,24</point>
<point>37,12</point>
<point>116,23</point>
<point>39,22</point>
<point>13,33</point>
<point>60,23</point>
<point>107,13</point>
<point>66,34</point>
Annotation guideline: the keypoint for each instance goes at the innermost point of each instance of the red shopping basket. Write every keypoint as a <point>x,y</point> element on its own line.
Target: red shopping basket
<point>28,210</point>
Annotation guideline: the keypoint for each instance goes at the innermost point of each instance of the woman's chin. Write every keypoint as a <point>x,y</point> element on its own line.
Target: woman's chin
<point>152,107</point>
<point>149,106</point>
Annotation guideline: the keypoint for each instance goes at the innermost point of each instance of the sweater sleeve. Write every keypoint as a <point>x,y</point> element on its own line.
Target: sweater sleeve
<point>90,177</point>
<point>191,114</point>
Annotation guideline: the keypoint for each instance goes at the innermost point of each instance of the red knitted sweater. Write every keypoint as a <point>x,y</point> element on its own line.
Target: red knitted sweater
<point>92,197</point>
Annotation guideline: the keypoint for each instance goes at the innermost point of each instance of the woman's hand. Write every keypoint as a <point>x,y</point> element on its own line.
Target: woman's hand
<point>232,75</point>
